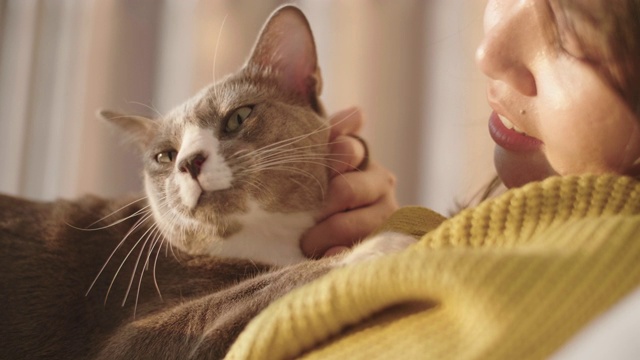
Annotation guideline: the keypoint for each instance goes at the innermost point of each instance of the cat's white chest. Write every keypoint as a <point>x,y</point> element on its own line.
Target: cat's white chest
<point>268,237</point>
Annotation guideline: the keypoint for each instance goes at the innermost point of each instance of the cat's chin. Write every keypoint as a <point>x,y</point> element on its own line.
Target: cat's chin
<point>265,236</point>
<point>193,194</point>
<point>192,202</point>
<point>256,234</point>
<point>212,205</point>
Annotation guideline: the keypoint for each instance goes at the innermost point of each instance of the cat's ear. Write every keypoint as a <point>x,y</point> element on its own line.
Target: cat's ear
<point>286,45</point>
<point>139,129</point>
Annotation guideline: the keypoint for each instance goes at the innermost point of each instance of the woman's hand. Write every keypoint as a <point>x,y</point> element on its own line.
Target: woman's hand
<point>361,192</point>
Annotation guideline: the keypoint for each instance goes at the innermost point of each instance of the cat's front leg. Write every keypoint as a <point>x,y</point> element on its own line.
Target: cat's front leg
<point>377,246</point>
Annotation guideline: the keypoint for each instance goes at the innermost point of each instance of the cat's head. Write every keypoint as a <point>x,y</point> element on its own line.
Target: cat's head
<point>252,143</point>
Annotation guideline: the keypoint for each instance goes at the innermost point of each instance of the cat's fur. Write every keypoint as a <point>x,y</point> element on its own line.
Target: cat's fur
<point>176,284</point>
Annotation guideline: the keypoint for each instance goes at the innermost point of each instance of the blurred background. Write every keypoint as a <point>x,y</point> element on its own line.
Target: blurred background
<point>409,64</point>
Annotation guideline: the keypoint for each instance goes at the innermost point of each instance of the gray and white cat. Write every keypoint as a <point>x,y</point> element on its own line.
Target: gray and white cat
<point>239,170</point>
<point>233,177</point>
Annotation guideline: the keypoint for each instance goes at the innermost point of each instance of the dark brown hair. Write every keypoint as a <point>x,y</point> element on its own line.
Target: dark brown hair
<point>608,33</point>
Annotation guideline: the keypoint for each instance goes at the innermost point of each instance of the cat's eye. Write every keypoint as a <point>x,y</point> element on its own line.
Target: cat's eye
<point>166,157</point>
<point>237,117</point>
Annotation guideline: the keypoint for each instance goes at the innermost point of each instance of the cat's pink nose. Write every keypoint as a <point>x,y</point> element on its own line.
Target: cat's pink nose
<point>193,165</point>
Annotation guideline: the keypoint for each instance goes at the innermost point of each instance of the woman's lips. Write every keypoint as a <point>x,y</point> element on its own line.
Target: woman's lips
<point>510,139</point>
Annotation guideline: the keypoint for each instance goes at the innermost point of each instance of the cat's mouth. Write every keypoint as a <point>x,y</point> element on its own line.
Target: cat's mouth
<point>190,193</point>
<point>211,206</point>
<point>195,193</point>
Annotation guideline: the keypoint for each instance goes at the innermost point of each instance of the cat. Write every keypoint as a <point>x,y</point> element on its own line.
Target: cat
<point>240,169</point>
<point>233,177</point>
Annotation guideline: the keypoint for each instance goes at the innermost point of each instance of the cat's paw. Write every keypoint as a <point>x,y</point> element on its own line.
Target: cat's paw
<point>379,245</point>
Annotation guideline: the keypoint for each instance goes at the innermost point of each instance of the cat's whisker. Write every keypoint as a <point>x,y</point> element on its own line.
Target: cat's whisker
<point>152,108</point>
<point>257,185</point>
<point>297,171</point>
<point>172,224</point>
<point>155,236</point>
<point>118,210</point>
<point>173,253</point>
<point>309,161</point>
<point>355,111</point>
<point>215,55</point>
<point>307,147</point>
<point>296,152</point>
<point>133,228</point>
<point>251,184</point>
<point>301,172</point>
<point>268,149</point>
<point>289,141</point>
<point>291,168</point>
<point>155,262</point>
<point>328,126</point>
<point>325,125</point>
<point>277,165</point>
<point>267,165</point>
<point>237,153</point>
<point>144,235</point>
<point>170,220</point>
<point>280,152</point>
<point>135,268</point>
<point>148,215</point>
<point>294,155</point>
<point>309,190</point>
<point>293,152</point>
<point>141,211</point>
<point>286,142</point>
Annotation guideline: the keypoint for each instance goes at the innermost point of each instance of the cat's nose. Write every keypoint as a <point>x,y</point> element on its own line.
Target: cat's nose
<point>192,165</point>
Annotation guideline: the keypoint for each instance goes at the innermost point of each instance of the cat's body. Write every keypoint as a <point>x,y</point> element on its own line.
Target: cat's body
<point>47,267</point>
<point>233,178</point>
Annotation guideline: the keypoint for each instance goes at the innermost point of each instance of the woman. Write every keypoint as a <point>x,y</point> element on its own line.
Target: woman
<point>520,275</point>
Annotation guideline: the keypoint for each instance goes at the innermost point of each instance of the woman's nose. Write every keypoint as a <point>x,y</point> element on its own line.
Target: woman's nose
<point>504,53</point>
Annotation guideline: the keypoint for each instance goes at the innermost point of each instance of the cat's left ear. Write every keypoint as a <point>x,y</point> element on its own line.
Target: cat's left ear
<point>286,45</point>
<point>139,129</point>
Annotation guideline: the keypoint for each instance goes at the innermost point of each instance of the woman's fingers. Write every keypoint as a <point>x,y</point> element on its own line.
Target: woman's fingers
<point>358,202</point>
<point>345,122</point>
<point>340,231</point>
<point>360,197</point>
<point>347,153</point>
<point>357,189</point>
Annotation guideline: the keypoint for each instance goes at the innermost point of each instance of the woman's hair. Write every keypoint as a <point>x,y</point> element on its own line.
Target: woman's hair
<point>608,34</point>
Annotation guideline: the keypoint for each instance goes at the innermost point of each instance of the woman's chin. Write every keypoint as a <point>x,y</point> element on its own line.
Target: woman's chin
<point>516,169</point>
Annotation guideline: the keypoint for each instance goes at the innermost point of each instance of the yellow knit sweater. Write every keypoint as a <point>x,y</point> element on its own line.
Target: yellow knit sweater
<point>513,278</point>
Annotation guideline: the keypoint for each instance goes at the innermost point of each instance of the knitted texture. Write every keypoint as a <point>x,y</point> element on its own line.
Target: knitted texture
<point>412,220</point>
<point>514,278</point>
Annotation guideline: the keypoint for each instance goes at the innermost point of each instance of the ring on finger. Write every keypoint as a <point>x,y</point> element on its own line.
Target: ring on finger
<point>365,160</point>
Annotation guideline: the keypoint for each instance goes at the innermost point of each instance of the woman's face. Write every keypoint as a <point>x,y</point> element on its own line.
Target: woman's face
<point>553,113</point>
